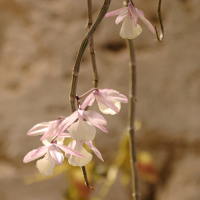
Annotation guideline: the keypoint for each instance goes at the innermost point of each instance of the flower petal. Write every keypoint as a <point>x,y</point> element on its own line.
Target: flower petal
<point>71,145</point>
<point>35,154</point>
<point>89,100</point>
<point>134,13</point>
<point>95,150</point>
<point>94,116</point>
<point>121,17</point>
<point>68,121</point>
<point>104,109</point>
<point>68,150</point>
<point>116,12</point>
<point>46,166</point>
<point>52,129</point>
<point>56,154</point>
<point>39,129</point>
<point>77,161</point>
<point>82,131</point>
<point>148,24</point>
<point>128,29</point>
<point>114,95</point>
<point>104,102</point>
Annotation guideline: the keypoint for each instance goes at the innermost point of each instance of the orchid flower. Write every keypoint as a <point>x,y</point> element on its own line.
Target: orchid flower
<point>109,101</point>
<point>78,146</point>
<point>48,129</point>
<point>52,155</point>
<point>83,130</point>
<point>130,28</point>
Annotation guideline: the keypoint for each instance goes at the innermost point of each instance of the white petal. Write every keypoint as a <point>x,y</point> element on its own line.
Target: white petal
<point>78,161</point>
<point>104,109</point>
<point>128,29</point>
<point>82,131</point>
<point>46,166</point>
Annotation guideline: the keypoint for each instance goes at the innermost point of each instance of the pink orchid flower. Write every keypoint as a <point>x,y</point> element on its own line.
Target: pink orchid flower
<point>78,146</point>
<point>48,129</point>
<point>83,130</point>
<point>52,155</point>
<point>130,28</point>
<point>109,101</point>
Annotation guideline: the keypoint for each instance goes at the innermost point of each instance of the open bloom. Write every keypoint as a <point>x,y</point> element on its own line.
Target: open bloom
<point>83,130</point>
<point>130,28</point>
<point>78,146</point>
<point>52,155</point>
<point>109,101</point>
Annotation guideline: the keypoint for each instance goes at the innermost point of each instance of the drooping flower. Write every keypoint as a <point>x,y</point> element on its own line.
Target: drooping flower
<point>78,146</point>
<point>130,28</point>
<point>109,101</point>
<point>52,155</point>
<point>83,130</point>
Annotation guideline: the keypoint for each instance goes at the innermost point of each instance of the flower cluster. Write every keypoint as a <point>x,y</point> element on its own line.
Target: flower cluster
<point>80,127</point>
<point>130,28</point>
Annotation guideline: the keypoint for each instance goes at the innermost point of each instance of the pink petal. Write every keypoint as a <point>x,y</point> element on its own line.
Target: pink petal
<point>98,126</point>
<point>39,129</point>
<point>115,12</point>
<point>148,24</point>
<point>41,150</point>
<point>89,100</point>
<point>34,154</point>
<point>115,96</point>
<point>120,18</point>
<point>68,121</point>
<point>51,130</point>
<point>56,154</point>
<point>134,13</point>
<point>95,116</point>
<point>69,150</point>
<point>95,150</point>
<point>104,100</point>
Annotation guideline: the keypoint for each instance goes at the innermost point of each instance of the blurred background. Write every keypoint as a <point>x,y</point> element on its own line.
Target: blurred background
<point>39,40</point>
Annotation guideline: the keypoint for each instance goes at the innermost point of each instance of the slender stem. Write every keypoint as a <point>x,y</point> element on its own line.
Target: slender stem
<point>131,129</point>
<point>75,71</point>
<point>161,35</point>
<point>132,100</point>
<point>86,178</point>
<point>91,46</point>
<point>81,51</point>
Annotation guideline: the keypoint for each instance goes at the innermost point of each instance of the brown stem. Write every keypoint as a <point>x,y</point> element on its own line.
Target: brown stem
<point>75,71</point>
<point>161,35</point>
<point>81,51</point>
<point>132,100</point>
<point>131,129</point>
<point>91,47</point>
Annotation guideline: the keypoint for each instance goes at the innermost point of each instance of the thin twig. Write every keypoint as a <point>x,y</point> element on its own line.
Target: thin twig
<point>81,51</point>
<point>91,46</point>
<point>131,129</point>
<point>161,35</point>
<point>132,100</point>
<point>76,68</point>
<point>86,178</point>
